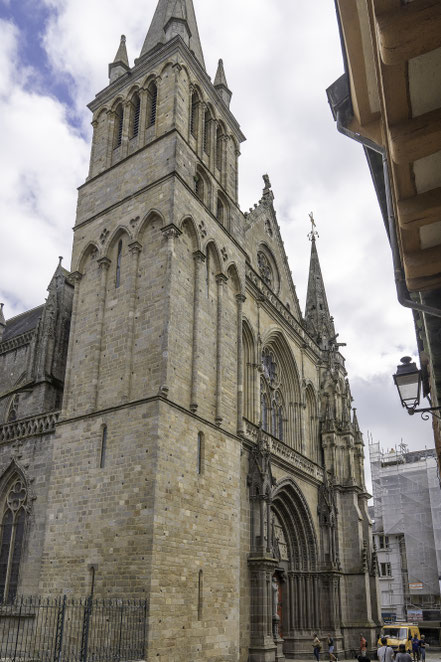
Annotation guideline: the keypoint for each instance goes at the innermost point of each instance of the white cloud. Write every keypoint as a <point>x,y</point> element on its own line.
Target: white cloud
<point>280,57</point>
<point>42,160</point>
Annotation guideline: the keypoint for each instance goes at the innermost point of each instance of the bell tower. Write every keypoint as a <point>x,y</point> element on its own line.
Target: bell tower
<point>147,461</point>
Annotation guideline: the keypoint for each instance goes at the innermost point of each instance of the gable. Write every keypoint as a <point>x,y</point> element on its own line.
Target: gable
<point>266,252</point>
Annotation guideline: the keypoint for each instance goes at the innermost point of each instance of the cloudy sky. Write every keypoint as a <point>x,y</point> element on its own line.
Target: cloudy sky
<point>280,56</point>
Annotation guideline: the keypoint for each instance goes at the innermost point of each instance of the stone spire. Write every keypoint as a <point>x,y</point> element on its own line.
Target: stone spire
<point>173,18</point>
<point>220,83</point>
<point>120,64</point>
<point>317,315</point>
<point>2,321</point>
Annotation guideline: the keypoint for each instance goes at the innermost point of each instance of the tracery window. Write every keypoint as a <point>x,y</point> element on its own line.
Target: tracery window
<point>271,398</point>
<point>265,269</point>
<point>12,535</point>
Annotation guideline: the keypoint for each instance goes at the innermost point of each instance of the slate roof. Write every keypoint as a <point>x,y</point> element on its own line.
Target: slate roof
<point>23,323</point>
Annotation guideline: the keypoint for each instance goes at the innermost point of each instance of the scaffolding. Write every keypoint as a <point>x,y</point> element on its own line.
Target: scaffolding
<point>407,531</point>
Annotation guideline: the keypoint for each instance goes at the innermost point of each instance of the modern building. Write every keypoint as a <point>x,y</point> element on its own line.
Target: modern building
<point>389,100</point>
<point>407,535</point>
<point>206,455</point>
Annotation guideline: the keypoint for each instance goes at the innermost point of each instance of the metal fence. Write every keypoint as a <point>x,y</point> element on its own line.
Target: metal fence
<point>72,630</point>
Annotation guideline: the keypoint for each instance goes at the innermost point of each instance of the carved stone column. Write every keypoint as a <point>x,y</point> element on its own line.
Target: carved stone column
<point>220,280</point>
<point>170,232</point>
<point>125,129</point>
<point>104,264</point>
<point>135,249</point>
<point>199,259</point>
<point>110,136</point>
<point>240,298</point>
<point>94,124</point>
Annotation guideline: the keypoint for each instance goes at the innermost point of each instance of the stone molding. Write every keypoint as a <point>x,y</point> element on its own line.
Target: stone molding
<point>286,453</point>
<point>18,341</point>
<point>29,427</point>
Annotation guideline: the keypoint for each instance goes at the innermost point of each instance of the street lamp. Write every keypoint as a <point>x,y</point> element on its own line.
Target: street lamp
<point>408,382</point>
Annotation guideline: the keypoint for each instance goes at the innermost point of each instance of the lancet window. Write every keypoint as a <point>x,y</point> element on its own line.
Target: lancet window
<point>136,110</point>
<point>119,119</point>
<point>194,114</point>
<point>152,104</point>
<point>271,398</point>
<point>12,535</point>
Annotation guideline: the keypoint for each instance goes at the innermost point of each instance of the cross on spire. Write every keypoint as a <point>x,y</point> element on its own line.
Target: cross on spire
<point>313,234</point>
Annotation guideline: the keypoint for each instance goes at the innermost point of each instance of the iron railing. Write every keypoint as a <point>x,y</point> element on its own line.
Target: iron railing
<point>34,629</point>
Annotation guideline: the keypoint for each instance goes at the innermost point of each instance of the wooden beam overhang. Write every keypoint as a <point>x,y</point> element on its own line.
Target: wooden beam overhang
<point>420,209</point>
<point>416,138</point>
<point>409,31</point>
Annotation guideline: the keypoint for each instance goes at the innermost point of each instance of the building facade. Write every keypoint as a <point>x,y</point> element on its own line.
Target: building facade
<point>389,101</point>
<point>407,535</point>
<point>206,455</point>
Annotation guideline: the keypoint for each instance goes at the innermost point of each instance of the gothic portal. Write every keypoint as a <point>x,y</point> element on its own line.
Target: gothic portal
<point>205,454</point>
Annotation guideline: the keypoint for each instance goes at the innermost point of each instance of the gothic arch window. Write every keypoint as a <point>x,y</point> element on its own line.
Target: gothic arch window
<point>311,425</point>
<point>248,371</point>
<point>202,186</point>
<point>207,142</point>
<point>13,409</point>
<point>152,96</point>
<point>12,535</point>
<point>219,140</point>
<point>118,264</point>
<point>119,120</point>
<point>194,114</point>
<point>280,390</point>
<point>134,120</point>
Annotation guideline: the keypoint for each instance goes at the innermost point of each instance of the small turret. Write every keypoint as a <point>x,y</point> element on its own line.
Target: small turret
<point>120,64</point>
<point>2,321</point>
<point>221,85</point>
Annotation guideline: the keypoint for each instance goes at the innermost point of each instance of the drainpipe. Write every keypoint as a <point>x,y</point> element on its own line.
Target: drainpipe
<point>400,282</point>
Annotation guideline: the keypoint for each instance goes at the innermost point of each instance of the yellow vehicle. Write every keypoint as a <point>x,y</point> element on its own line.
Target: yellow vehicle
<point>399,633</point>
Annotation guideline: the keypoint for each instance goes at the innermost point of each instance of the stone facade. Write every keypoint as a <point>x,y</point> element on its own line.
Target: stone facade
<point>206,455</point>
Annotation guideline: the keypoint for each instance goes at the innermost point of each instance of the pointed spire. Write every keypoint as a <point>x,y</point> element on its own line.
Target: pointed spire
<point>120,64</point>
<point>220,83</point>
<point>173,18</point>
<point>59,276</point>
<point>2,321</point>
<point>317,313</point>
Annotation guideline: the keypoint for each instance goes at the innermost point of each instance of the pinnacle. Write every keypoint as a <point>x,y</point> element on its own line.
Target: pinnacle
<point>121,56</point>
<point>179,11</point>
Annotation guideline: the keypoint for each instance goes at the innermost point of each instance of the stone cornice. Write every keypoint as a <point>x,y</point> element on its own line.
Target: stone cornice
<point>18,341</point>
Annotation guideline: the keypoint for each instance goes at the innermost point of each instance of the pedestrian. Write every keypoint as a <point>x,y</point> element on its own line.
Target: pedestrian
<point>423,646</point>
<point>363,645</point>
<point>331,648</point>
<point>415,648</point>
<point>385,653</point>
<point>402,656</point>
<point>317,647</point>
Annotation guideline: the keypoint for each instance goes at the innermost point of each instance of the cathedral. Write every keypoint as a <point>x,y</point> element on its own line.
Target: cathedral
<point>172,426</point>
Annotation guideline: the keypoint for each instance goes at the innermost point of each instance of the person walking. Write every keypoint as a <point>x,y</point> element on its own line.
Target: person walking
<point>363,645</point>
<point>317,647</point>
<point>415,648</point>
<point>402,656</point>
<point>385,653</point>
<point>423,646</point>
<point>331,648</point>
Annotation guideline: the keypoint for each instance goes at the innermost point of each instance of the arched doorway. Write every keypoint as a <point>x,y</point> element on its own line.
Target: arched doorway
<point>297,571</point>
